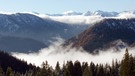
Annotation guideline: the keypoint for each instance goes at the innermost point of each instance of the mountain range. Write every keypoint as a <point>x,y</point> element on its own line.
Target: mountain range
<point>91,13</point>
<point>28,30</point>
<point>24,32</point>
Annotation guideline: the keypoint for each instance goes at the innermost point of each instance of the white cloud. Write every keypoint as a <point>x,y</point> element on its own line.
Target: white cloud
<point>68,12</point>
<point>125,15</point>
<point>55,53</point>
<point>80,19</point>
<point>8,13</point>
<point>77,19</point>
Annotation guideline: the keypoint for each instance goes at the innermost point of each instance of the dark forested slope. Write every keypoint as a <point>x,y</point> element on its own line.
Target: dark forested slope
<point>105,34</point>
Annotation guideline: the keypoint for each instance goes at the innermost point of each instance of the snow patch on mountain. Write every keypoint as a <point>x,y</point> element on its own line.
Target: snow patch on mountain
<point>100,13</point>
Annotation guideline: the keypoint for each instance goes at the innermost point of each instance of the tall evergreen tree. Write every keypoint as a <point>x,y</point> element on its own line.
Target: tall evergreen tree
<point>93,69</point>
<point>124,68</point>
<point>9,72</point>
<point>107,70</point>
<point>84,65</point>
<point>65,71</point>
<point>70,68</point>
<point>131,66</point>
<point>77,69</point>
<point>45,70</point>
<point>100,71</point>
<point>57,69</point>
<point>87,71</point>
<point>1,71</point>
<point>114,68</point>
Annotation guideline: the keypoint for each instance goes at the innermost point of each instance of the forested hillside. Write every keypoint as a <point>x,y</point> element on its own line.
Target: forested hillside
<point>106,34</point>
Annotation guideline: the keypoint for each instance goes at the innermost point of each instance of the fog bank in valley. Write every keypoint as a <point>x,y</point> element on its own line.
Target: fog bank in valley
<point>55,53</point>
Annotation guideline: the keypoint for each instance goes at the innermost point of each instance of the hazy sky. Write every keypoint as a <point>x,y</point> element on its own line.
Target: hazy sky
<point>60,6</point>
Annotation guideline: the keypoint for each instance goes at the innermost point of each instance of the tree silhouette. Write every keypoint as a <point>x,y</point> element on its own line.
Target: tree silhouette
<point>124,68</point>
<point>77,69</point>
<point>57,69</point>
<point>9,72</point>
<point>1,71</point>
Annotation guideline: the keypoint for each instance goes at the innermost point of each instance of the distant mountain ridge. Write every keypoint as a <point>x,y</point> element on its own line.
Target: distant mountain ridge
<point>40,31</point>
<point>29,25</point>
<point>106,34</point>
<point>91,13</point>
<point>75,13</point>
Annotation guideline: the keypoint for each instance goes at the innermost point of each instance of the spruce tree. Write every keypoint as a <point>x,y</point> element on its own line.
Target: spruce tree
<point>77,69</point>
<point>9,72</point>
<point>45,70</point>
<point>93,69</point>
<point>70,68</point>
<point>124,68</point>
<point>57,69</point>
<point>131,66</point>
<point>87,71</point>
<point>1,71</point>
<point>100,71</point>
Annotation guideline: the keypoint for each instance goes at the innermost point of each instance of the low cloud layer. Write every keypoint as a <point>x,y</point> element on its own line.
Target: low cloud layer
<point>81,19</point>
<point>126,15</point>
<point>78,19</point>
<point>55,53</point>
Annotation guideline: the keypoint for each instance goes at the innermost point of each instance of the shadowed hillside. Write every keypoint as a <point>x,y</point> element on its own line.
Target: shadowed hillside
<point>105,34</point>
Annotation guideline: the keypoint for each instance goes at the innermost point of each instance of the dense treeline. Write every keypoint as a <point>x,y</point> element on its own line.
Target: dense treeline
<point>8,61</point>
<point>126,67</point>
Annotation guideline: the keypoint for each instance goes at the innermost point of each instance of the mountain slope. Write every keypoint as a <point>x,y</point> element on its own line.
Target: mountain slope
<point>106,34</point>
<point>31,32</point>
<point>32,26</point>
<point>28,25</point>
<point>18,44</point>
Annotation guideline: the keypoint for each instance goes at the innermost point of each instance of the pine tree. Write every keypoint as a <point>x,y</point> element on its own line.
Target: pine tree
<point>9,72</point>
<point>87,71</point>
<point>100,71</point>
<point>45,70</point>
<point>77,69</point>
<point>66,72</point>
<point>124,68</point>
<point>93,69</point>
<point>107,70</point>
<point>57,69</point>
<point>131,66</point>
<point>84,65</point>
<point>114,68</point>
<point>1,71</point>
<point>70,68</point>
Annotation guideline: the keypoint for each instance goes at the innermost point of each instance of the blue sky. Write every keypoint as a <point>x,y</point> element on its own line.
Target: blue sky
<point>60,6</point>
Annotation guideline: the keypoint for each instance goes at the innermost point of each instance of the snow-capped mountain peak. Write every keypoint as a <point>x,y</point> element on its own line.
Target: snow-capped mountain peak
<point>88,13</point>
